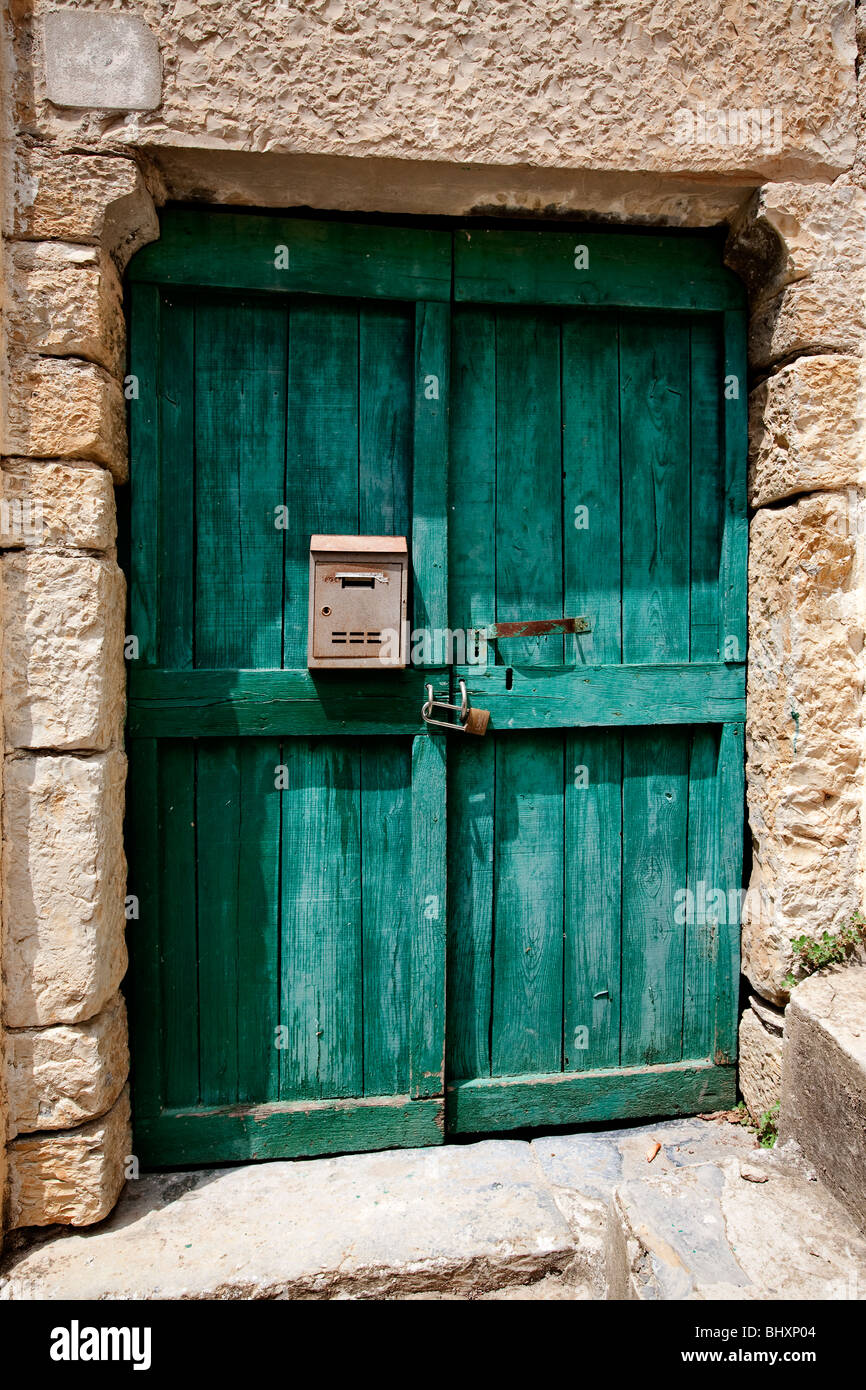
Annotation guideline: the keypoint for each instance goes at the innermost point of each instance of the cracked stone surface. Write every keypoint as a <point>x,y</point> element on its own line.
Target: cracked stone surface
<point>713,1232</point>
<point>501,1219</point>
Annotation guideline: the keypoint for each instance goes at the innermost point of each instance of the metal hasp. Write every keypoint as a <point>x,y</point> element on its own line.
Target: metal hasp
<point>531,628</point>
<point>472,721</point>
<point>358,592</point>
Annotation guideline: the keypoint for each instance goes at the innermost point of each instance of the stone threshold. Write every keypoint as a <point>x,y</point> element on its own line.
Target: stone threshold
<point>567,1216</point>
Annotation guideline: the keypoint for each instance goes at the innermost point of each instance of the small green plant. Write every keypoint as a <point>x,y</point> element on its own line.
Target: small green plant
<point>831,948</point>
<point>767,1127</point>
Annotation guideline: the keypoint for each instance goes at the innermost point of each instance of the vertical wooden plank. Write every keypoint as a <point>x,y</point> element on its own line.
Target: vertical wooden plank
<point>700,915</point>
<point>385,347</point>
<point>386,857</point>
<point>430,471</point>
<point>258,852</point>
<point>429,915</point>
<point>143,936</point>
<point>143,833</point>
<point>654,375</point>
<point>177,1025</point>
<point>240,409</point>
<point>527,935</point>
<point>655,806</point>
<point>472,519</point>
<point>528,481</point>
<point>592,520</point>
<point>526,1030</point>
<point>218,794</point>
<point>322,975</point>
<point>145,470</point>
<point>472,766</point>
<point>735,538</point>
<point>429,793</point>
<point>177,484</point>
<point>321,489</point>
<point>593,899</point>
<point>592,505</point>
<point>706,477</point>
<point>471,781</point>
<point>735,526</point>
<point>731,779</point>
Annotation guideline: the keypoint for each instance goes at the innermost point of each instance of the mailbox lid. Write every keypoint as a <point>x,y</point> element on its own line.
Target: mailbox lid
<point>359,545</point>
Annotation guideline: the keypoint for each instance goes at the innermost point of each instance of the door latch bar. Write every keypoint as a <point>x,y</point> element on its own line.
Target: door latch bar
<point>531,628</point>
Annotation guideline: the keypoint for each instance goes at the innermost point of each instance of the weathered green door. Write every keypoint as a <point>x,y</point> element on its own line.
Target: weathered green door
<point>597,472</point>
<point>288,848</point>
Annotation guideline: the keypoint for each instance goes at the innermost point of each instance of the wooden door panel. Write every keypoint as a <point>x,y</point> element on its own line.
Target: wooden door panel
<point>591,450</point>
<point>526,1007</point>
<point>288,990</point>
<point>593,887</point>
<point>654,828</point>
<point>239,409</point>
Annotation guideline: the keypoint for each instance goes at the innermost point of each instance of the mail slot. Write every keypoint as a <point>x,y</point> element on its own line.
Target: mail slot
<point>358,587</point>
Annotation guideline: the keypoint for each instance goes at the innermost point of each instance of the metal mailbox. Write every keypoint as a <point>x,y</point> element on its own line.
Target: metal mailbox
<point>358,589</point>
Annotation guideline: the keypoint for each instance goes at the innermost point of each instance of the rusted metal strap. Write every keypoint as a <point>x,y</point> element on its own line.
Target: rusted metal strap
<point>537,628</point>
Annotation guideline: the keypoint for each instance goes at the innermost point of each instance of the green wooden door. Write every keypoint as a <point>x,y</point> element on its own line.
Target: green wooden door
<point>596,471</point>
<point>287,832</point>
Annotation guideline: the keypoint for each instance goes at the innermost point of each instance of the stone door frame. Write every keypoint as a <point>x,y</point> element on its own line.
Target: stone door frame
<point>77,220</point>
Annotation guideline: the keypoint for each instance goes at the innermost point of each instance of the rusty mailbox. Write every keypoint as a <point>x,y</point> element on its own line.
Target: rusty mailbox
<point>358,589</point>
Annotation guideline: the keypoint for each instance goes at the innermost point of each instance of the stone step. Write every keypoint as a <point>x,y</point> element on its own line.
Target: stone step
<point>824,1081</point>
<point>559,1217</point>
<point>735,1229</point>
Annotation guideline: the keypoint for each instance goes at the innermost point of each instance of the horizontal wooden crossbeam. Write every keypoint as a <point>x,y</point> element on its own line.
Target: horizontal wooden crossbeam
<point>195,704</point>
<point>551,697</point>
<point>515,1102</point>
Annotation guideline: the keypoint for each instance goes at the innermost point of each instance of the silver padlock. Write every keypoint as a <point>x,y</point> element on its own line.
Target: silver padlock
<point>472,721</point>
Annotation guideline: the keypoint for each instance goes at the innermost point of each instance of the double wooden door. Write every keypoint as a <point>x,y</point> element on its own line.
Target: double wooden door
<point>355,932</point>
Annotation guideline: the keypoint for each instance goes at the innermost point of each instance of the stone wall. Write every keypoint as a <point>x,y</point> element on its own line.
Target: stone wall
<point>74,221</point>
<point>552,109</point>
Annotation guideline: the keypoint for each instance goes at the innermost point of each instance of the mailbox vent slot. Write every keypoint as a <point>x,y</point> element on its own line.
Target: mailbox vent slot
<point>355,638</point>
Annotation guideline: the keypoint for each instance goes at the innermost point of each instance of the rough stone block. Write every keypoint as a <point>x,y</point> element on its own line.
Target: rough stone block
<point>83,198</point>
<point>108,61</point>
<point>600,86</point>
<point>803,730</point>
<point>63,1076</point>
<point>816,301</point>
<point>64,875</point>
<point>805,426</point>
<point>56,504</point>
<point>64,682</point>
<point>760,1060</point>
<point>66,301</point>
<point>64,408</point>
<point>72,1177</point>
<point>824,1081</point>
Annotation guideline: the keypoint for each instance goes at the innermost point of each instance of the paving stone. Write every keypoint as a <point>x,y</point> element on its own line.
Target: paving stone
<point>460,1218</point>
<point>584,1171</point>
<point>711,1233</point>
